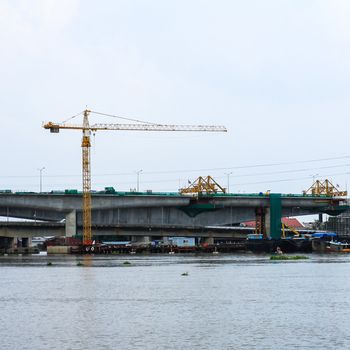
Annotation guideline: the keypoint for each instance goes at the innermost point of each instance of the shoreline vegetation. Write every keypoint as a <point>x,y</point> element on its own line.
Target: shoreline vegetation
<point>288,257</point>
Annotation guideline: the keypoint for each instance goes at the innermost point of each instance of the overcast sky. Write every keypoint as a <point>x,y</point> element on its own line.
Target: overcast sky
<point>276,73</point>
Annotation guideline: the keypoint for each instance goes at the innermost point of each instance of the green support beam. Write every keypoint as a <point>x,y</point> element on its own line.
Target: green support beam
<point>275,215</point>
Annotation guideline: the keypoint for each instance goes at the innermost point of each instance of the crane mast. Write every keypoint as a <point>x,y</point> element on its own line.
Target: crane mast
<point>86,145</point>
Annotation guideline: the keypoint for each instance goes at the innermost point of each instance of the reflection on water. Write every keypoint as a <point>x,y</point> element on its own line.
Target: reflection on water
<point>240,301</point>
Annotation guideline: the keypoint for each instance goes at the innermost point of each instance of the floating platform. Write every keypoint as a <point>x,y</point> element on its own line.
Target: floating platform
<point>287,245</point>
<point>116,248</point>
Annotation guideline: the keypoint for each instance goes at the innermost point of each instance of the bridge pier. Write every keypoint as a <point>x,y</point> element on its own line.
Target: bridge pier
<point>8,242</point>
<point>26,242</point>
<point>71,224</point>
<point>275,217</point>
<point>267,222</point>
<point>269,218</point>
<point>320,218</point>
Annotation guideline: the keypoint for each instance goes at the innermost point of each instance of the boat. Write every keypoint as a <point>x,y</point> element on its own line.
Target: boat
<point>321,241</point>
<point>338,247</point>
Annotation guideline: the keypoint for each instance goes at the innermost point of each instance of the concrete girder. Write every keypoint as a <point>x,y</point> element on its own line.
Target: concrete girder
<point>170,216</point>
<point>19,230</point>
<point>265,202</point>
<point>174,216</point>
<point>32,214</point>
<point>32,230</point>
<point>153,216</point>
<point>68,203</point>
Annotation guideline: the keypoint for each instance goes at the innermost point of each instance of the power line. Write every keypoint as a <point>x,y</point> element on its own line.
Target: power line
<point>290,179</point>
<point>247,166</point>
<point>292,171</point>
<point>208,169</point>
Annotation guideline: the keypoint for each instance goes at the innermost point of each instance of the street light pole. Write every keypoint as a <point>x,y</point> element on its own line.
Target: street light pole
<point>138,179</point>
<point>41,178</point>
<point>228,181</point>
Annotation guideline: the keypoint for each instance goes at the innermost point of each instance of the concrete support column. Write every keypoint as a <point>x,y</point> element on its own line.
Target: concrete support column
<point>320,218</point>
<point>165,239</point>
<point>71,224</point>
<point>8,243</point>
<point>3,241</point>
<point>12,242</point>
<point>26,242</point>
<point>267,222</point>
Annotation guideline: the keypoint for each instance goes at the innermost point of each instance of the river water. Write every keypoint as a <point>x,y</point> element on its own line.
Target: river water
<point>240,301</point>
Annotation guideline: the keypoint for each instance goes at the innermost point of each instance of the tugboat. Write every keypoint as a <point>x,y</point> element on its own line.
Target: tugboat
<point>338,247</point>
<point>321,242</point>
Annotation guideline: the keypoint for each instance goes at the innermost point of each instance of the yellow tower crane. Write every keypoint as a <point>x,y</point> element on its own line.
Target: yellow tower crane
<point>86,144</point>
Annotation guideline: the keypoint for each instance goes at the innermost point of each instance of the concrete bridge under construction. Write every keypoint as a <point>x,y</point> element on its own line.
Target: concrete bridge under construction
<point>155,214</point>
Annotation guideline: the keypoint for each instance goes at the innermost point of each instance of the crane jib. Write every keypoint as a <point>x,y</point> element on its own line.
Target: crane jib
<point>54,127</point>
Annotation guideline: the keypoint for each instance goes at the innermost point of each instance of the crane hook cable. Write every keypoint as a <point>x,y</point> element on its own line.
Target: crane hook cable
<point>130,119</point>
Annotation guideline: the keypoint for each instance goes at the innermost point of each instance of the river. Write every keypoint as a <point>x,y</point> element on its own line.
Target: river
<point>234,301</point>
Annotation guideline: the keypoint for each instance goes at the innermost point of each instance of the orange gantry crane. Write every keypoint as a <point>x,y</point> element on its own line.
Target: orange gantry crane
<point>86,128</point>
<point>325,188</point>
<point>203,185</point>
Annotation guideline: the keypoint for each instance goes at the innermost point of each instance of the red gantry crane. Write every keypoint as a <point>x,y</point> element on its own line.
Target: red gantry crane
<point>86,128</point>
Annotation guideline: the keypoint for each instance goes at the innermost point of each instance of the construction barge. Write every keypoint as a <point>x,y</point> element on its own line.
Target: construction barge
<point>154,247</point>
<point>320,241</point>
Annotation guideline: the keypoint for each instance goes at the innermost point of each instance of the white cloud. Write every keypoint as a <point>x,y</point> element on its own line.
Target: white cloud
<point>26,25</point>
<point>57,13</point>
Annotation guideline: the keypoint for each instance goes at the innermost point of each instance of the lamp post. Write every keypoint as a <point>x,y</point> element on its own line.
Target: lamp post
<point>138,179</point>
<point>41,178</point>
<point>228,181</point>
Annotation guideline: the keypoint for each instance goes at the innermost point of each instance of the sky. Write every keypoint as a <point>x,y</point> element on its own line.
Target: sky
<point>276,73</point>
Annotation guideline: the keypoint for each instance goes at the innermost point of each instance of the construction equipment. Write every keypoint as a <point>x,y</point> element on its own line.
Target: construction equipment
<point>292,229</point>
<point>325,188</point>
<point>203,185</point>
<point>86,144</point>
